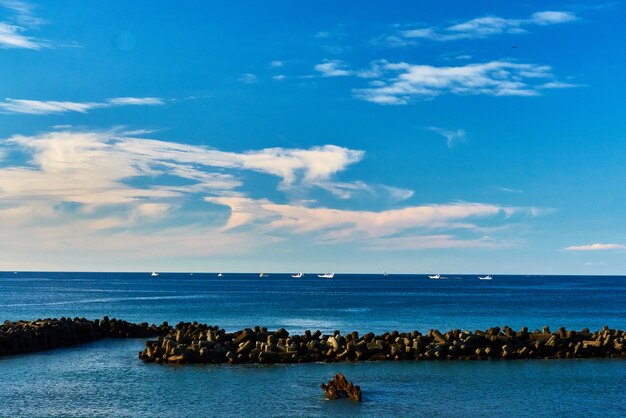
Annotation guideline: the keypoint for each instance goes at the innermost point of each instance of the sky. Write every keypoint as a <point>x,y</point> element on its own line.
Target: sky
<point>354,136</point>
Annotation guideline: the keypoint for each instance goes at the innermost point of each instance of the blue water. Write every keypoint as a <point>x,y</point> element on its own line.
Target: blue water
<point>106,378</point>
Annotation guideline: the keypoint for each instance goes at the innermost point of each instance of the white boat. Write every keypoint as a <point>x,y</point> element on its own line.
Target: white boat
<point>154,274</point>
<point>219,275</point>
<point>436,276</point>
<point>298,275</point>
<point>261,275</point>
<point>487,277</point>
<point>326,275</point>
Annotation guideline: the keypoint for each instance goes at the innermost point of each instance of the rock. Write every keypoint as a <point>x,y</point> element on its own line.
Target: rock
<point>339,388</point>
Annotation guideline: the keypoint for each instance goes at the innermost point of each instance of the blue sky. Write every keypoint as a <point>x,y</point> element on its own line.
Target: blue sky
<point>353,137</point>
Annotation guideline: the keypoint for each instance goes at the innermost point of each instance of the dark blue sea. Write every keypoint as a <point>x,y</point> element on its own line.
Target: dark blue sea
<point>107,379</point>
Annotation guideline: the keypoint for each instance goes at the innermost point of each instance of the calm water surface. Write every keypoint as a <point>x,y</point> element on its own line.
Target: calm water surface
<point>106,378</point>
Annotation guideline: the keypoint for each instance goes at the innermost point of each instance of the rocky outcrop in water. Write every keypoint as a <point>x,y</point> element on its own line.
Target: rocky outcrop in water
<point>340,388</point>
<point>44,334</point>
<point>200,343</point>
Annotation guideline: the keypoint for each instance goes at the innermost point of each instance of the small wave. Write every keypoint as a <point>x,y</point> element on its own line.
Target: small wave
<point>309,323</point>
<point>355,310</point>
<point>105,300</point>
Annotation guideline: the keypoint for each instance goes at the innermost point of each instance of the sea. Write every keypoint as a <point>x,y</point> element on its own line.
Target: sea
<point>106,378</point>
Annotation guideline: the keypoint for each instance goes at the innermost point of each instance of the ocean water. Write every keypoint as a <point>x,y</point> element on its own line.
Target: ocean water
<point>106,378</point>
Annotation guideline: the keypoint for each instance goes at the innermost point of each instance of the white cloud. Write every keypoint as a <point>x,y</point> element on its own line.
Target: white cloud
<point>509,190</point>
<point>80,193</point>
<point>452,137</point>
<point>45,107</point>
<point>137,101</point>
<point>401,82</point>
<point>411,225</point>
<point>397,194</point>
<point>13,32</point>
<point>487,26</point>
<point>332,68</point>
<point>595,247</point>
<point>440,241</point>
<point>551,17</point>
<point>11,37</point>
<point>277,64</point>
<point>95,168</point>
<point>248,78</point>
<point>92,195</point>
<point>279,77</point>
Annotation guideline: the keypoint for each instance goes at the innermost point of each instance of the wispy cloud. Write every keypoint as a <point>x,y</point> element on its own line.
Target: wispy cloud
<point>45,107</point>
<point>248,78</point>
<point>277,64</point>
<point>595,247</point>
<point>333,68</point>
<point>509,190</point>
<point>93,167</point>
<point>399,83</point>
<point>487,26</point>
<point>75,192</point>
<point>398,194</point>
<point>452,136</point>
<point>14,31</point>
<point>411,225</point>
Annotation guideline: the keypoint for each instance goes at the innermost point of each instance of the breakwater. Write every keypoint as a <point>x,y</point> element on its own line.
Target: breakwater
<point>190,343</point>
<point>44,334</point>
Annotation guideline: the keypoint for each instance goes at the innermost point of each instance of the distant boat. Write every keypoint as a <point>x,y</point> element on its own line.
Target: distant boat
<point>385,274</point>
<point>261,275</point>
<point>219,275</point>
<point>326,275</point>
<point>436,276</point>
<point>487,277</point>
<point>298,275</point>
<point>154,274</point>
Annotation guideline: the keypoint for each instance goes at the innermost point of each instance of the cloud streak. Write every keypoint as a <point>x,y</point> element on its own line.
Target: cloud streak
<point>332,68</point>
<point>46,107</point>
<point>452,137</point>
<point>84,192</point>
<point>97,167</point>
<point>13,32</point>
<point>388,228</point>
<point>400,83</point>
<point>487,26</point>
<point>595,247</point>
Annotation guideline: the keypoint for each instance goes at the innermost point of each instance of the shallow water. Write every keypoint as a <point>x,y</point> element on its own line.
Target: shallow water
<point>107,379</point>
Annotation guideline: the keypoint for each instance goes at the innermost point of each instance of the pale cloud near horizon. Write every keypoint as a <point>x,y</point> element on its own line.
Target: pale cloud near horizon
<point>84,192</point>
<point>595,247</point>
<point>487,26</point>
<point>46,107</point>
<point>409,225</point>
